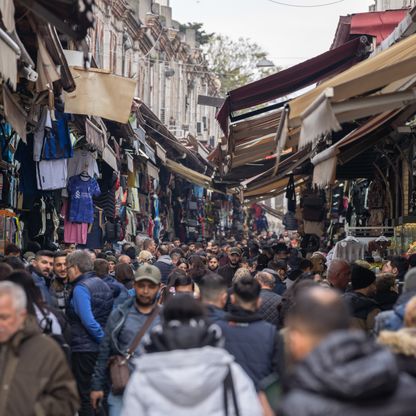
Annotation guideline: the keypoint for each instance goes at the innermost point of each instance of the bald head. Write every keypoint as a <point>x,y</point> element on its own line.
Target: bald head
<point>339,274</point>
<point>124,259</point>
<point>317,312</point>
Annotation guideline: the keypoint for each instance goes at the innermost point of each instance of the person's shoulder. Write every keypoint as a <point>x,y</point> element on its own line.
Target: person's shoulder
<point>303,403</point>
<point>42,346</point>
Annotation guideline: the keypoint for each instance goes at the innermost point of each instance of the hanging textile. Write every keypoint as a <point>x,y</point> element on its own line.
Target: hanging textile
<point>9,52</point>
<point>94,135</point>
<point>14,113</point>
<point>7,13</point>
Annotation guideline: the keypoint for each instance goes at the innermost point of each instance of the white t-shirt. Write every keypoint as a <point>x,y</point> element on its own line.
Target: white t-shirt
<point>82,161</point>
<point>52,174</point>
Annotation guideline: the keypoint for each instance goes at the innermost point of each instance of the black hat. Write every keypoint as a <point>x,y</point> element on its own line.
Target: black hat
<point>361,277</point>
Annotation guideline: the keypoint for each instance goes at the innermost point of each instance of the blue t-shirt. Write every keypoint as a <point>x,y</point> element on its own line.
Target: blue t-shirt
<point>57,141</point>
<point>81,191</point>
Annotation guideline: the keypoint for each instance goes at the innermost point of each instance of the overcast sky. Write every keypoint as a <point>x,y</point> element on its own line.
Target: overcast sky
<point>290,35</point>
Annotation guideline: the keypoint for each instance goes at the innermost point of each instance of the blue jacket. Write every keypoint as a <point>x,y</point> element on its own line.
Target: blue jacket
<point>214,314</point>
<point>120,292</point>
<point>393,320</point>
<point>40,283</point>
<point>165,265</point>
<point>253,342</point>
<point>110,345</point>
<point>89,306</point>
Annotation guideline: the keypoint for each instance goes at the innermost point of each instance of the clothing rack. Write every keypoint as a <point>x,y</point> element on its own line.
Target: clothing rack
<point>370,232</point>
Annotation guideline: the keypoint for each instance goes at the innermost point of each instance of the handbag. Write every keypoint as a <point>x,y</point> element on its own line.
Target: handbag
<point>118,364</point>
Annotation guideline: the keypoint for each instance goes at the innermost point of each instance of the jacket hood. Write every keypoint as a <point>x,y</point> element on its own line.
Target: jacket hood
<point>165,259</point>
<point>348,366</point>
<point>402,341</point>
<point>185,377</point>
<point>360,302</point>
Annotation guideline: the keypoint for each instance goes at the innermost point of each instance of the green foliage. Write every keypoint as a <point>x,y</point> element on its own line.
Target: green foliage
<point>201,36</point>
<point>235,62</point>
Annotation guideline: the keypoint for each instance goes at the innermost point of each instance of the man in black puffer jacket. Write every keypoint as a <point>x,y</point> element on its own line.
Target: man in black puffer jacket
<point>339,372</point>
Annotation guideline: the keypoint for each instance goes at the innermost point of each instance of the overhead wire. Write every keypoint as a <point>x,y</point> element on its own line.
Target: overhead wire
<point>281,3</point>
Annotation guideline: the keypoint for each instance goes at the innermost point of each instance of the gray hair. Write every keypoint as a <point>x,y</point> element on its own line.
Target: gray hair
<point>410,280</point>
<point>16,292</point>
<point>81,259</point>
<point>266,279</point>
<point>240,273</point>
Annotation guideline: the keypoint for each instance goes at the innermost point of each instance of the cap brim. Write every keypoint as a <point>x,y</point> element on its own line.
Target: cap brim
<point>150,278</point>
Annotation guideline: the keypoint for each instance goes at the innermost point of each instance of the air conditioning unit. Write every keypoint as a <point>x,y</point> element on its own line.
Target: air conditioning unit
<point>179,133</point>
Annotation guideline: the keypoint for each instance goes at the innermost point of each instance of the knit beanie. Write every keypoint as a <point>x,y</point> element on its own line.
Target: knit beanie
<point>410,280</point>
<point>361,277</point>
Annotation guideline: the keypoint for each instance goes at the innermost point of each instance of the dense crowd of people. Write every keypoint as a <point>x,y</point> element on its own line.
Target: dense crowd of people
<point>251,327</point>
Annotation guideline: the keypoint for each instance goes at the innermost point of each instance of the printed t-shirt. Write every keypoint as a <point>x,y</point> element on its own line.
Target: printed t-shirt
<point>81,208</point>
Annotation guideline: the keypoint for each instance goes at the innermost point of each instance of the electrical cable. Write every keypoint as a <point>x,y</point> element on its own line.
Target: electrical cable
<point>281,3</point>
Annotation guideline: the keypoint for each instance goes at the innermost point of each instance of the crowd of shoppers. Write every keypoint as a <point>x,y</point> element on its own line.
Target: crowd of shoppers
<point>237,328</point>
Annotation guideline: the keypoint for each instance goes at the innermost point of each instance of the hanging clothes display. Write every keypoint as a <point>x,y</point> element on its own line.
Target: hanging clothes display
<point>350,249</point>
<point>81,190</point>
<point>83,161</point>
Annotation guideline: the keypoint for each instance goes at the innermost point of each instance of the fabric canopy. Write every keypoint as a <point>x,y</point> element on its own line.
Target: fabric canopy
<point>376,24</point>
<point>395,63</point>
<point>291,79</point>
<point>189,174</point>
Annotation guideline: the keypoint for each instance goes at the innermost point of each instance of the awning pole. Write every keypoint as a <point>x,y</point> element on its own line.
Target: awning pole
<point>279,140</point>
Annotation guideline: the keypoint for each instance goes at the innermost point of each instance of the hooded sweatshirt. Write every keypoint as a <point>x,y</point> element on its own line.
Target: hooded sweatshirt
<point>349,375</point>
<point>187,383</point>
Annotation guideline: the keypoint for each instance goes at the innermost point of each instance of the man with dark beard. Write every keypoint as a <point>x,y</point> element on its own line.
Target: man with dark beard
<point>123,325</point>
<point>228,271</point>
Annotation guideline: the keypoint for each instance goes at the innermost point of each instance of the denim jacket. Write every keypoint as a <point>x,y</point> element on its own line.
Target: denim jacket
<point>109,346</point>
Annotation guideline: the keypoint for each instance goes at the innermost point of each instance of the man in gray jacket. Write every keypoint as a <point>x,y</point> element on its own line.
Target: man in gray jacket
<point>123,325</point>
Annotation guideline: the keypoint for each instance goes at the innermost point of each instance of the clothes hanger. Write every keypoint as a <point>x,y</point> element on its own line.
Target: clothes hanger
<point>85,175</point>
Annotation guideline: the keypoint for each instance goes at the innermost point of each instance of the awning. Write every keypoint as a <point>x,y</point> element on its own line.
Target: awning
<point>395,63</point>
<point>189,174</point>
<point>292,79</point>
<point>376,24</point>
<point>95,94</point>
<point>323,116</point>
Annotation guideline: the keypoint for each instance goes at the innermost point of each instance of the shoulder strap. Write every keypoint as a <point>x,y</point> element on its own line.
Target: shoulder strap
<point>229,386</point>
<point>143,331</point>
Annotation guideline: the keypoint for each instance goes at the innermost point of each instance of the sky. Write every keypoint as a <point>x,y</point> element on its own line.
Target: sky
<point>288,34</point>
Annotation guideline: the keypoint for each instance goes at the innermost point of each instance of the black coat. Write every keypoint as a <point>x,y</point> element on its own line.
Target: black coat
<point>349,375</point>
<point>254,343</point>
<point>228,272</point>
<point>269,306</point>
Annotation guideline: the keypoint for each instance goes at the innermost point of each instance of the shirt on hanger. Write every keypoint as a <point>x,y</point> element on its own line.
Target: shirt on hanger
<point>81,191</point>
<point>51,174</point>
<point>82,161</point>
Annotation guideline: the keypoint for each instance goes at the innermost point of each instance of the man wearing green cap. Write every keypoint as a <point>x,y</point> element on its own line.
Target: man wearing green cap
<point>124,323</point>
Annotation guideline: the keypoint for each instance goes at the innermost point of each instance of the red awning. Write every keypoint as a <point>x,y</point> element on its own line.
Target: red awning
<point>291,79</point>
<point>376,24</point>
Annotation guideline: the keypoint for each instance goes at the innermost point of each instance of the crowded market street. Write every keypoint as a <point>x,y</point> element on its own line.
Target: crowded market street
<point>207,207</point>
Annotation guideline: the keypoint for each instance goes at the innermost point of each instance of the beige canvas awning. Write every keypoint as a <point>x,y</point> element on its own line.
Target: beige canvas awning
<point>99,93</point>
<point>189,174</point>
<point>395,63</point>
